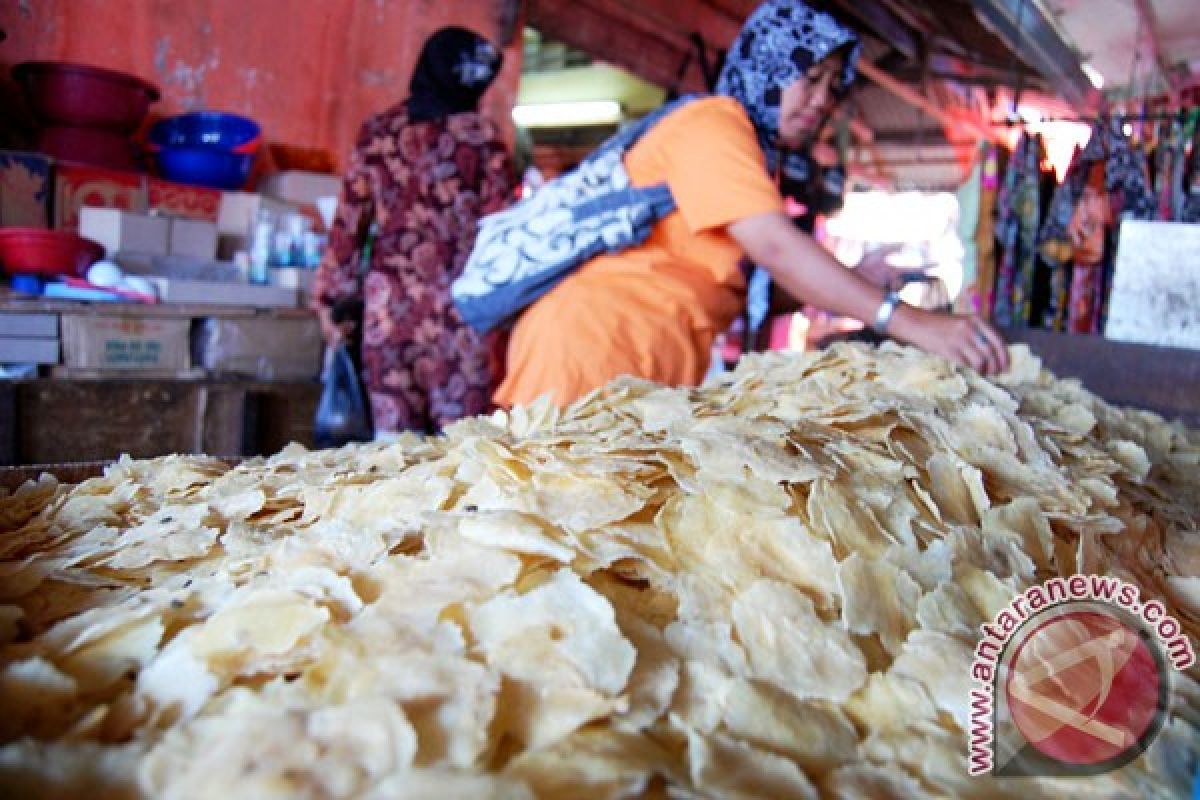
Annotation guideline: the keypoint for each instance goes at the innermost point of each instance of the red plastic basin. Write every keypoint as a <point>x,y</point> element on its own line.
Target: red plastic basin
<point>33,251</point>
<point>76,94</point>
<point>97,146</point>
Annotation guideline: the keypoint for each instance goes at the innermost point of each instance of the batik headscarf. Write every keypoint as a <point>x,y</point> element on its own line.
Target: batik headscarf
<point>779,43</point>
<point>455,68</point>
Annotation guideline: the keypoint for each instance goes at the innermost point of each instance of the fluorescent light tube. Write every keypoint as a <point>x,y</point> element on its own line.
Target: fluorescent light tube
<point>568,115</point>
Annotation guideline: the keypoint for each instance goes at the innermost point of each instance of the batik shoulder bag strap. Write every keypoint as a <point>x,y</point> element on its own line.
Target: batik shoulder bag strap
<point>524,251</point>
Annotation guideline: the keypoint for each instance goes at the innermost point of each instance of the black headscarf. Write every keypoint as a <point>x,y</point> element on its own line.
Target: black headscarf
<point>455,68</point>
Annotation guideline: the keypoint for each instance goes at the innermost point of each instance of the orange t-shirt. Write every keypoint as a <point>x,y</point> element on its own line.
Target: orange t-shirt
<point>653,310</point>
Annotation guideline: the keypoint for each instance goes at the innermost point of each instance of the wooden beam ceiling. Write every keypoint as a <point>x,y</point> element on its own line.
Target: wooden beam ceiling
<point>928,41</point>
<point>1150,25</point>
<point>913,16</point>
<point>887,26</point>
<point>917,100</point>
<point>1023,27</point>
<point>610,32</point>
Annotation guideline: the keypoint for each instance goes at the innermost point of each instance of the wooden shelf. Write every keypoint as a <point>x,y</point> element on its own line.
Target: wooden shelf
<point>67,421</point>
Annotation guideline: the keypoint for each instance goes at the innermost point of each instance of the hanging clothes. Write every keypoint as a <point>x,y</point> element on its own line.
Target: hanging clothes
<point>1017,233</point>
<point>1190,212</point>
<point>970,196</point>
<point>1056,249</point>
<point>1170,161</point>
<point>985,233</point>
<point>1043,271</point>
<point>1108,180</point>
<point>1088,231</point>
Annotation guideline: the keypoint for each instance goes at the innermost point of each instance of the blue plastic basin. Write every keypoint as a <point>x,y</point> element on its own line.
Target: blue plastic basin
<point>205,166</point>
<point>206,148</point>
<point>207,129</point>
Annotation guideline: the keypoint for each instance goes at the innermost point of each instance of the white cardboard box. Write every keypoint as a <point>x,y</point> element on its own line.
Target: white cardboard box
<point>260,347</point>
<point>193,238</point>
<point>172,290</point>
<point>25,324</point>
<point>1155,296</point>
<point>291,277</point>
<point>125,343</point>
<point>300,187</point>
<point>239,211</point>
<point>28,350</point>
<point>124,231</point>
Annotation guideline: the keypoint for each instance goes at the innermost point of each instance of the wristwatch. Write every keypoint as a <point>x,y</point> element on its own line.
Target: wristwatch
<point>884,315</point>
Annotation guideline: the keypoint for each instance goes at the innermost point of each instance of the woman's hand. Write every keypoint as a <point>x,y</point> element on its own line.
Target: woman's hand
<point>806,271</point>
<point>333,333</point>
<point>876,269</point>
<point>967,340</point>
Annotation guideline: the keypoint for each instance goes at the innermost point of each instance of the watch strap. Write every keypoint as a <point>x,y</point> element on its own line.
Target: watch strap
<point>883,316</point>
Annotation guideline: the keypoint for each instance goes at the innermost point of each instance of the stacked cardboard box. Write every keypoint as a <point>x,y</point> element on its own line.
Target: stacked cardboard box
<point>259,347</point>
<point>76,186</point>
<point>26,184</point>
<point>109,342</point>
<point>28,338</point>
<point>181,200</point>
<point>131,232</point>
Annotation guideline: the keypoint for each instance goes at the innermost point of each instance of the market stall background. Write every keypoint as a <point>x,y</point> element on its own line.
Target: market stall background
<point>811,538</point>
<point>309,73</point>
<point>939,75</point>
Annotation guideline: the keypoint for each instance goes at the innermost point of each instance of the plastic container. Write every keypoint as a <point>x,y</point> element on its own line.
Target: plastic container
<point>206,148</point>
<point>33,251</point>
<point>61,93</point>
<point>28,284</point>
<point>214,129</point>
<point>99,147</point>
<point>260,248</point>
<point>199,166</point>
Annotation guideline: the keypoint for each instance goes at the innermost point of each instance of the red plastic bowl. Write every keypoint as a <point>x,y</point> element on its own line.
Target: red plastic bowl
<point>75,94</point>
<point>33,251</point>
<point>97,146</point>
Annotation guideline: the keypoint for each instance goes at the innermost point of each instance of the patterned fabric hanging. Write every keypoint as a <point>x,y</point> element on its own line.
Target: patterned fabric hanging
<point>970,197</point>
<point>1191,204</point>
<point>1017,230</point>
<point>1169,166</point>
<point>1126,187</point>
<point>985,234</point>
<point>1088,231</point>
<point>1056,249</point>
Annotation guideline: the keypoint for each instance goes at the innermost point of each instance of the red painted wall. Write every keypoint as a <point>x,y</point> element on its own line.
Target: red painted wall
<point>308,71</point>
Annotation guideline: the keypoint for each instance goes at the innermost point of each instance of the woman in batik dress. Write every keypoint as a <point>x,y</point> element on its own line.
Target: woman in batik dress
<point>421,175</point>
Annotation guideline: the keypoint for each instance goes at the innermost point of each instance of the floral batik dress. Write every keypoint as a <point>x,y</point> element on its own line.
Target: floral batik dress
<point>423,186</point>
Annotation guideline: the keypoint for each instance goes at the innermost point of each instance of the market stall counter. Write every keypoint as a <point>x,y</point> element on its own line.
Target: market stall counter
<point>149,380</point>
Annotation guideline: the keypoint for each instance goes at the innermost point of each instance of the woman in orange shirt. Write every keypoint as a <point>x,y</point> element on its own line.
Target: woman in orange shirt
<point>653,310</point>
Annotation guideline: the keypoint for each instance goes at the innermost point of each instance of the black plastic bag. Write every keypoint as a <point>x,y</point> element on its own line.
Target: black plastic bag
<point>342,413</point>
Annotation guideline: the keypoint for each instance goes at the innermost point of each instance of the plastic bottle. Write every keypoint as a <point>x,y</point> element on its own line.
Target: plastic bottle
<point>260,247</point>
<point>298,227</point>
<point>314,244</point>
